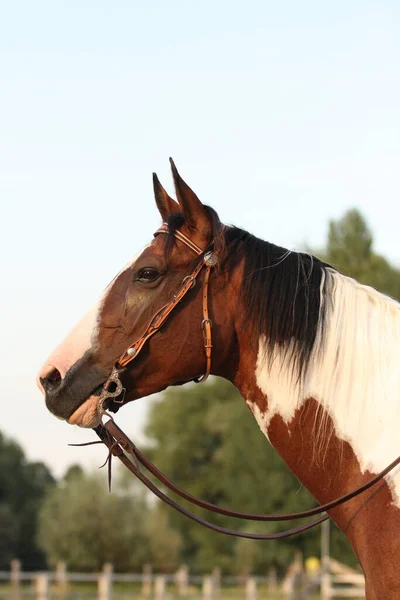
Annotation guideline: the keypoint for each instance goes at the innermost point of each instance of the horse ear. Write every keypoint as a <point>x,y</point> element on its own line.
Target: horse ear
<point>165,204</point>
<point>196,216</point>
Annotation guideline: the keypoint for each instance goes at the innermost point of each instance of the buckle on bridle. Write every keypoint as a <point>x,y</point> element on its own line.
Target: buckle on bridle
<point>204,322</point>
<point>188,278</point>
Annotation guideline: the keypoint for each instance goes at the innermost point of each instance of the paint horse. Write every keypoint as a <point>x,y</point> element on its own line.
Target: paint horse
<point>312,352</point>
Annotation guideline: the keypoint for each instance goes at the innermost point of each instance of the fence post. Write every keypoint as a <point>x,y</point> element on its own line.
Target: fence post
<point>325,563</point>
<point>104,586</point>
<point>61,577</point>
<point>208,587</point>
<point>146,581</point>
<point>159,587</point>
<point>42,586</point>
<point>182,580</point>
<point>293,578</point>
<point>15,578</point>
<point>272,581</point>
<point>216,575</point>
<point>251,588</point>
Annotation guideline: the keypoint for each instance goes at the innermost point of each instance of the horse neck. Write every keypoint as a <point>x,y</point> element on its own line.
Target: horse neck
<point>339,423</point>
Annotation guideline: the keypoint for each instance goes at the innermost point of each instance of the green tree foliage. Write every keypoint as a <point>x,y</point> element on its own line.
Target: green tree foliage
<point>99,527</point>
<point>164,542</point>
<point>206,440</point>
<point>8,536</point>
<point>350,250</point>
<point>73,472</point>
<point>22,487</point>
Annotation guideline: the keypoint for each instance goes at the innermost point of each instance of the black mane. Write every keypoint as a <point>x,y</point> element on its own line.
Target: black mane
<point>281,292</point>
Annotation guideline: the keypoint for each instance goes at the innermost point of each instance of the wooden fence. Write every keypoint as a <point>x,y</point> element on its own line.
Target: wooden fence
<point>106,584</point>
<point>335,580</point>
<point>147,585</point>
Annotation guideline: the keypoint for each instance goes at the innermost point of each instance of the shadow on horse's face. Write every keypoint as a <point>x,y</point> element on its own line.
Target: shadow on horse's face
<point>73,376</point>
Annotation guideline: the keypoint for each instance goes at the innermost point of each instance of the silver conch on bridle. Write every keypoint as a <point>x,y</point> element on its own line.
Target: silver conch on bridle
<point>210,259</point>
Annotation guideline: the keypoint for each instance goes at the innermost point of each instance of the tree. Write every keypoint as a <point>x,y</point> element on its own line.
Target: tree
<point>97,526</point>
<point>22,487</point>
<point>74,471</point>
<point>8,536</point>
<point>164,542</point>
<point>350,244</point>
<point>350,250</point>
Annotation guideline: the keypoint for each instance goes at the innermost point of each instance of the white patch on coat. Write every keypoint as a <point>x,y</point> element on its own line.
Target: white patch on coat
<point>259,416</point>
<point>83,337</point>
<point>353,374</point>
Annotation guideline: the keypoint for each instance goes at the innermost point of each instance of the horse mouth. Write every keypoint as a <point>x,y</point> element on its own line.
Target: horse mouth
<point>89,412</point>
<point>82,397</point>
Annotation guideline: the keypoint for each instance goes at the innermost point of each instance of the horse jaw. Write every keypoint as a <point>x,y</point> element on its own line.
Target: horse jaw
<point>88,414</point>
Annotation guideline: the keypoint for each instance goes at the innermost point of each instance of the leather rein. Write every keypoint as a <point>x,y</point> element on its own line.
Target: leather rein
<point>124,449</point>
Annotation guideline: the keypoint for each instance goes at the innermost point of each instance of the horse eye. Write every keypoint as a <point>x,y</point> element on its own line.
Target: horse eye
<point>148,274</point>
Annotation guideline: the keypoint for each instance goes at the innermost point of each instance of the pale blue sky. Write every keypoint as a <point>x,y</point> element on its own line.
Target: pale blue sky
<point>279,114</point>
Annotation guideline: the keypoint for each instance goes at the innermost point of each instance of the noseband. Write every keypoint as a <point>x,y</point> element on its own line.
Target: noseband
<point>121,446</point>
<point>113,387</point>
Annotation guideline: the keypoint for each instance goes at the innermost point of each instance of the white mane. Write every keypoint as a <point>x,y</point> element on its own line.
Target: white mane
<point>354,372</point>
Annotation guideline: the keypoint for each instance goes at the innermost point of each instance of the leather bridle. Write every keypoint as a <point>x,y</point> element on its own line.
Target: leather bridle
<point>113,387</point>
<point>208,261</point>
<point>122,447</point>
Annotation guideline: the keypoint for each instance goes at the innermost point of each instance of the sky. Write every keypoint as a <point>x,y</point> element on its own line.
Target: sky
<point>280,115</point>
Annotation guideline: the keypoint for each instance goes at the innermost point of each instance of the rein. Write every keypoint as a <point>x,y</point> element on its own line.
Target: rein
<point>124,449</point>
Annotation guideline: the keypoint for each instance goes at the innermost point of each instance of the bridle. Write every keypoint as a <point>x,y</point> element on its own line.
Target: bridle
<point>113,387</point>
<point>122,447</point>
<point>208,261</point>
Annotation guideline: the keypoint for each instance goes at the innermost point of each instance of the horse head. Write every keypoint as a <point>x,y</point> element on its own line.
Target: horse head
<point>73,376</point>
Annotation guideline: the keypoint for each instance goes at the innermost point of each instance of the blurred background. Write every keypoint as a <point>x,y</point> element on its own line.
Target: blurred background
<point>283,117</point>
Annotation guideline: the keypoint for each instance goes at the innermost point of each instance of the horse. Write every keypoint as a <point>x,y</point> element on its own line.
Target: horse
<point>311,351</point>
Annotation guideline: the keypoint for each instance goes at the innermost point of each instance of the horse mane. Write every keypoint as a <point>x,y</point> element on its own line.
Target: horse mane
<point>283,293</point>
<point>282,290</point>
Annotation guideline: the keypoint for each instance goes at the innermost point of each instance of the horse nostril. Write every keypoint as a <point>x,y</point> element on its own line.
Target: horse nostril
<point>51,381</point>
